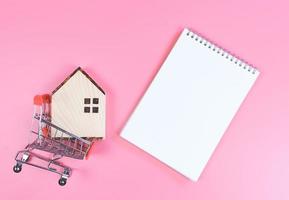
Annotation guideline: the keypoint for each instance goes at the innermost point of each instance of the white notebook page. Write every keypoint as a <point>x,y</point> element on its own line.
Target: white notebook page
<point>189,104</point>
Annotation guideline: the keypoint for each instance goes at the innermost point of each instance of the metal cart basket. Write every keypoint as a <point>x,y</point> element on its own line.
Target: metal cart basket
<point>48,137</point>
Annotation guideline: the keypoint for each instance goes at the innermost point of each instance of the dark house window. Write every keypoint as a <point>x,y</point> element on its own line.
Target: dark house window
<point>95,109</point>
<point>87,109</point>
<point>91,105</point>
<point>86,100</point>
<point>95,100</point>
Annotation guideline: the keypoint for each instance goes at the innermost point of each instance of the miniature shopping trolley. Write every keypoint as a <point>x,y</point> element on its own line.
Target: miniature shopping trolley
<point>50,138</point>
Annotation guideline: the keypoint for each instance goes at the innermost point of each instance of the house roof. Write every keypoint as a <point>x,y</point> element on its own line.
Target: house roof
<point>71,75</point>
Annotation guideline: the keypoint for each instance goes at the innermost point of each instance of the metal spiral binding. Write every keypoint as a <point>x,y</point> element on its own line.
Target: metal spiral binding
<point>226,54</point>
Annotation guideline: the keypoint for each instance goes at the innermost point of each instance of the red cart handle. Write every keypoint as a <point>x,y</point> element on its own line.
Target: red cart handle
<point>41,99</point>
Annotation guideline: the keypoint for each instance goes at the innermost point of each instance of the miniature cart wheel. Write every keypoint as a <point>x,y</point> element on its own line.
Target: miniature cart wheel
<point>17,168</point>
<point>62,181</point>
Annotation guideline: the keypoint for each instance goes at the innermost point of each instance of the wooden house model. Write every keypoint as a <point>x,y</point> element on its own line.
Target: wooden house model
<point>78,106</point>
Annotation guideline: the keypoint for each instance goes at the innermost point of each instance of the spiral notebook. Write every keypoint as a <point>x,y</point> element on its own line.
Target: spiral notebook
<point>190,104</point>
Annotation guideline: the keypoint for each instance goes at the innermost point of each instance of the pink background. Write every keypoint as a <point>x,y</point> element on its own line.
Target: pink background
<point>122,44</point>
